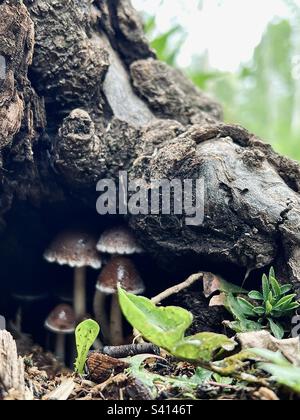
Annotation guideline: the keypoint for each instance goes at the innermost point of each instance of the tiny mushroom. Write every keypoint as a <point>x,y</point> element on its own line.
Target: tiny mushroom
<point>119,240</point>
<point>119,270</point>
<point>77,249</point>
<point>61,321</point>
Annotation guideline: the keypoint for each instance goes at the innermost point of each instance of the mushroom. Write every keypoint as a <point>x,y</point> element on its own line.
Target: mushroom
<point>77,249</point>
<point>61,321</point>
<point>119,270</point>
<point>118,240</point>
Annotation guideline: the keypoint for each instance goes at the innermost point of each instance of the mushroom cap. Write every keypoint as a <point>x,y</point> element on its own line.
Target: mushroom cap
<point>120,270</point>
<point>75,248</point>
<point>119,240</point>
<point>61,320</point>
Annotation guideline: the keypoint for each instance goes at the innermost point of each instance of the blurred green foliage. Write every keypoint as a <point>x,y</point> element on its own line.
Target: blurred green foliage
<point>264,95</point>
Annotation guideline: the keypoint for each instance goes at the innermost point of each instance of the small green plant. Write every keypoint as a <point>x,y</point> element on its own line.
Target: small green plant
<point>282,371</point>
<point>166,327</point>
<point>85,335</point>
<point>263,309</point>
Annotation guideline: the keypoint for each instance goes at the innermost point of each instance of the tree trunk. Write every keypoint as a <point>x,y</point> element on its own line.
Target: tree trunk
<point>86,68</point>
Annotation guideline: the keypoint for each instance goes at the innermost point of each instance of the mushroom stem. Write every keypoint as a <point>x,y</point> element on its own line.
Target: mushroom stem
<point>60,347</point>
<point>100,314</point>
<point>79,292</point>
<point>116,322</point>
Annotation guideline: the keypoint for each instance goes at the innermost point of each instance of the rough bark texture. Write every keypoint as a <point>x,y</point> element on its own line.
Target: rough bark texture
<point>85,66</point>
<point>12,376</point>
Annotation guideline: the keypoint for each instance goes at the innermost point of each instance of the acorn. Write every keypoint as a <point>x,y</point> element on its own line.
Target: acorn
<point>101,367</point>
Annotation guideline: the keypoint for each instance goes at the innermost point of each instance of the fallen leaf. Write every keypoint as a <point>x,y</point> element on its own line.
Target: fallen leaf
<point>218,300</point>
<point>264,340</point>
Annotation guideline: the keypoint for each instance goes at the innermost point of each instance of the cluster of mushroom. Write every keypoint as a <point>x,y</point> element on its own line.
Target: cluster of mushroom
<point>79,249</point>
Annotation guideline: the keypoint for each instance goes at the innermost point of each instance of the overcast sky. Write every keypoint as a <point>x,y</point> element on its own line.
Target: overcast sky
<point>228,29</point>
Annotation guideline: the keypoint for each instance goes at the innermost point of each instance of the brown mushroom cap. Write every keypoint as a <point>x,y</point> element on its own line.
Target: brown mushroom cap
<point>120,270</point>
<point>61,320</point>
<point>75,248</point>
<point>119,240</point>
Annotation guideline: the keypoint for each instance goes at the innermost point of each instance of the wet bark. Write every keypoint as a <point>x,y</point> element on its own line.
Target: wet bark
<point>83,97</point>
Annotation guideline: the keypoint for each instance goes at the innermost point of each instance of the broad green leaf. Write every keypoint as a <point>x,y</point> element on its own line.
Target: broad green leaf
<point>255,295</point>
<point>202,346</point>
<point>287,376</point>
<point>265,287</point>
<point>85,334</point>
<point>234,308</point>
<point>277,329</point>
<point>163,326</point>
<point>247,307</point>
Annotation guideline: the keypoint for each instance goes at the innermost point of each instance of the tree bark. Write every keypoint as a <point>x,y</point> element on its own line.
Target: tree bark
<point>12,376</point>
<point>87,69</point>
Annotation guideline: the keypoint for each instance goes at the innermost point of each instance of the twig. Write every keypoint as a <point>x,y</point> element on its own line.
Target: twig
<point>229,387</point>
<point>62,392</point>
<point>178,288</point>
<point>121,352</point>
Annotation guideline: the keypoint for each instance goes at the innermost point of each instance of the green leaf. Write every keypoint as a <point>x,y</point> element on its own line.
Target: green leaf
<point>85,334</point>
<point>272,273</point>
<point>222,379</point>
<point>292,306</point>
<point>285,289</point>
<point>277,329</point>
<point>163,326</point>
<point>234,308</point>
<point>269,308</point>
<point>282,371</point>
<point>286,300</point>
<point>247,307</point>
<point>275,286</point>
<point>287,376</point>
<point>274,357</point>
<point>244,326</point>
<point>255,295</point>
<point>202,346</point>
<point>227,287</point>
<point>166,326</point>
<point>154,381</point>
<point>265,287</point>
<point>259,310</point>
<point>271,298</point>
